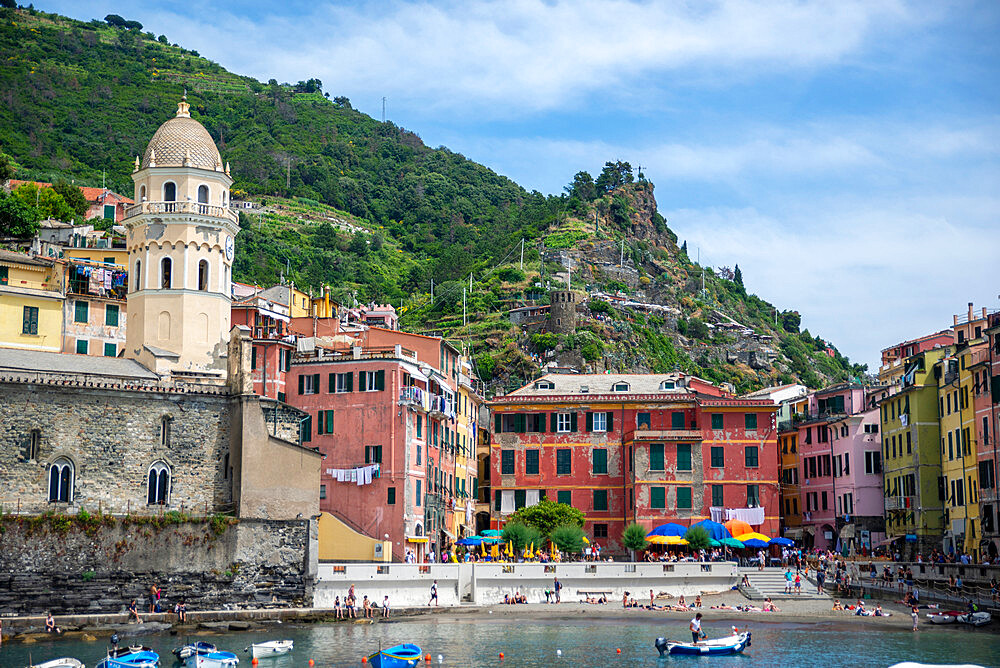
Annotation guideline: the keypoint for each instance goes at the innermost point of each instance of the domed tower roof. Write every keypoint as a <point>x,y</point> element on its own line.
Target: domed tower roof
<point>182,142</point>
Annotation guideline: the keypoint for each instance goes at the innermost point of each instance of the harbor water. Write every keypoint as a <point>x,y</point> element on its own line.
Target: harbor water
<point>590,642</point>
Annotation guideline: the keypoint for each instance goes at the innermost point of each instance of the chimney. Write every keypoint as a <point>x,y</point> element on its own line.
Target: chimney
<point>970,312</point>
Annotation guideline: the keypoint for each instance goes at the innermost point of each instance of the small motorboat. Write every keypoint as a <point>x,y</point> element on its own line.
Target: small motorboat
<point>127,659</point>
<point>262,650</point>
<point>116,652</point>
<point>975,618</point>
<point>66,662</point>
<point>945,617</point>
<point>734,644</point>
<point>212,660</point>
<point>406,655</point>
<point>200,647</point>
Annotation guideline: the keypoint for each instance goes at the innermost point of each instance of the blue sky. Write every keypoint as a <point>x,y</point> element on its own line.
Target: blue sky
<point>845,154</point>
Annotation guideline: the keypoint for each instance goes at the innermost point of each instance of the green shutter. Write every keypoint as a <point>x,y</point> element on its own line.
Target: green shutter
<point>520,423</point>
<point>555,422</point>
<point>380,380</point>
<point>531,462</point>
<point>683,497</point>
<point>677,420</point>
<point>496,500</point>
<point>572,421</point>
<point>565,496</point>
<point>656,457</point>
<point>329,422</point>
<point>111,315</point>
<point>110,350</point>
<point>600,499</point>
<point>82,313</point>
<point>81,346</point>
<point>541,422</point>
<point>362,381</point>
<point>350,381</point>
<point>683,456</point>
<point>600,457</point>
<point>716,420</point>
<point>519,498</point>
<point>657,497</point>
<point>253,357</point>
<point>611,421</point>
<point>750,421</point>
<point>590,421</point>
<point>718,498</point>
<point>497,422</point>
<point>332,382</point>
<point>718,456</point>
<point>316,383</point>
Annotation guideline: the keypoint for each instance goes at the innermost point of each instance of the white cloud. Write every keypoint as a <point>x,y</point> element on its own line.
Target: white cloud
<point>864,275</point>
<point>503,57</point>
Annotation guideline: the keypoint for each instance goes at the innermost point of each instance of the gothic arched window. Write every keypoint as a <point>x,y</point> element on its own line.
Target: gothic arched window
<point>158,484</point>
<point>61,476</point>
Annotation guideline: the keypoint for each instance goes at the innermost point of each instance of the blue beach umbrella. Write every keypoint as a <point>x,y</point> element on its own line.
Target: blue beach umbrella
<point>780,541</point>
<point>714,529</point>
<point>668,529</point>
<point>472,541</point>
<point>754,542</point>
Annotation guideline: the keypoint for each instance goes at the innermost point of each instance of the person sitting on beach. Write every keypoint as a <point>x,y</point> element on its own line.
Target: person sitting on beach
<point>50,624</point>
<point>602,599</point>
<point>385,606</point>
<point>879,612</point>
<point>837,606</point>
<point>680,602</point>
<point>366,606</point>
<point>859,610</point>
<point>625,600</point>
<point>338,610</point>
<point>769,606</point>
<point>745,582</point>
<point>182,615</point>
<point>697,601</point>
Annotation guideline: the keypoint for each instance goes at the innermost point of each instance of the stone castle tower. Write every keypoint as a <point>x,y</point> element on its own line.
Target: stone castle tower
<point>562,311</point>
<point>180,240</point>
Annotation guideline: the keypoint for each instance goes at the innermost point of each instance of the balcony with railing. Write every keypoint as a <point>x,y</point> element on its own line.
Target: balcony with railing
<point>182,207</point>
<point>440,406</point>
<point>900,502</point>
<point>412,396</point>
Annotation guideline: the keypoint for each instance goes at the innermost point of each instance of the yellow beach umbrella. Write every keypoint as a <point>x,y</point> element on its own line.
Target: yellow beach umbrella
<point>586,541</point>
<point>752,535</point>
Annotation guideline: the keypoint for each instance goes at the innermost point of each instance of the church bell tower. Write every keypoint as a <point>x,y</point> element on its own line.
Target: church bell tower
<point>180,236</point>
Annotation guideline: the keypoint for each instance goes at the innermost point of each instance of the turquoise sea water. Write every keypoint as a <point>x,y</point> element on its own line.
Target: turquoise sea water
<point>584,643</point>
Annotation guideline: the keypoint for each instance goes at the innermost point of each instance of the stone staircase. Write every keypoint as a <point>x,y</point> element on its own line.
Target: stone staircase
<point>770,582</point>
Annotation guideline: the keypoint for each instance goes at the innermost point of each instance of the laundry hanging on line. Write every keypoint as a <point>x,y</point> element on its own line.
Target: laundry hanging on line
<point>359,475</point>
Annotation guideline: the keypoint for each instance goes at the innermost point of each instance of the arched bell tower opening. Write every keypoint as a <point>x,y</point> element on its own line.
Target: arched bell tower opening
<point>180,241</point>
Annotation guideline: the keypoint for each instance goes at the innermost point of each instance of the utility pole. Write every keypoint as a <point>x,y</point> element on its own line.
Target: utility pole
<point>383,109</point>
<point>288,172</point>
<point>464,319</point>
<point>470,282</point>
<point>621,260</point>
<point>522,253</point>
<point>432,291</point>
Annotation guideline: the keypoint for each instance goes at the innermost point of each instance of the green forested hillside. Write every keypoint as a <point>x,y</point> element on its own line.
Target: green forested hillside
<point>81,99</point>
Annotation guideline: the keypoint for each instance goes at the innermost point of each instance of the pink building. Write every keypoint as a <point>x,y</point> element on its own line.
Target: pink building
<point>858,502</point>
<point>817,488</point>
<point>273,344</point>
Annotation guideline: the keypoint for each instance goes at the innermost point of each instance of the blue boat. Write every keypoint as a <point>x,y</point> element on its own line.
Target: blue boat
<point>141,659</point>
<point>734,644</point>
<point>200,647</point>
<point>212,660</point>
<point>406,655</point>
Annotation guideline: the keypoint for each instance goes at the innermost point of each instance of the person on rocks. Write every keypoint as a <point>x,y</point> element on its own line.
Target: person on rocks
<point>133,612</point>
<point>50,624</point>
<point>338,610</point>
<point>385,607</point>
<point>182,612</point>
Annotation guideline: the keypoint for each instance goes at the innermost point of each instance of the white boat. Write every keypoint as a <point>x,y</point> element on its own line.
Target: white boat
<point>260,650</point>
<point>65,662</point>
<point>948,617</point>
<point>975,618</point>
<point>212,660</point>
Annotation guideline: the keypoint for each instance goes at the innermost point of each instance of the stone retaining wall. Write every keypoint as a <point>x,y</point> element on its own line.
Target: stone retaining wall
<point>249,564</point>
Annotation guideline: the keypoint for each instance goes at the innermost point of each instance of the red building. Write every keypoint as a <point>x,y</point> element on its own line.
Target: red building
<point>273,344</point>
<point>906,349</point>
<point>384,409</point>
<point>634,448</point>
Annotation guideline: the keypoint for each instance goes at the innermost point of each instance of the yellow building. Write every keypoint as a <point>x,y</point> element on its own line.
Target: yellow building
<point>959,466</point>
<point>115,256</point>
<point>31,302</point>
<point>462,520</point>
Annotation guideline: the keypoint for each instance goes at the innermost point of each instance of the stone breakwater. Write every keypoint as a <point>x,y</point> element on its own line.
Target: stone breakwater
<point>69,570</point>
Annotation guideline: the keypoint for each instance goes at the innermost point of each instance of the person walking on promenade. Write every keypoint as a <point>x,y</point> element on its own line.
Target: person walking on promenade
<point>558,589</point>
<point>434,594</point>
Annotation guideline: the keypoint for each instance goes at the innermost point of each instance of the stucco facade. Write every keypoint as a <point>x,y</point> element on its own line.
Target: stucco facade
<point>633,448</point>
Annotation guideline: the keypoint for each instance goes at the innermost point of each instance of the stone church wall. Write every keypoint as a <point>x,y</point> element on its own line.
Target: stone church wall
<point>112,437</point>
<point>70,570</point>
